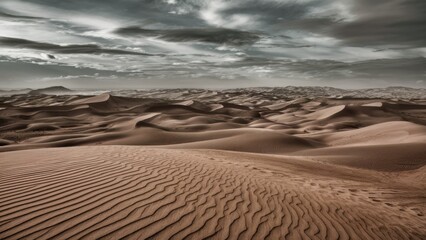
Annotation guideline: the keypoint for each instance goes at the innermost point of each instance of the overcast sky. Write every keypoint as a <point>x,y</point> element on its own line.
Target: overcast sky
<point>212,43</point>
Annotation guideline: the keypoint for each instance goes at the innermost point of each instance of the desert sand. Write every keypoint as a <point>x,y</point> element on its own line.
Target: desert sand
<point>197,164</point>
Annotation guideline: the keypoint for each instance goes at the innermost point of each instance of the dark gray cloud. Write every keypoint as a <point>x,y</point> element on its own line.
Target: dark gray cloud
<point>148,12</point>
<point>66,49</point>
<point>384,22</point>
<point>366,23</point>
<point>13,16</point>
<point>208,35</point>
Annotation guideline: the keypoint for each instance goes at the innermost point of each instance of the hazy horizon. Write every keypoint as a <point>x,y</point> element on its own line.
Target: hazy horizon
<point>212,44</point>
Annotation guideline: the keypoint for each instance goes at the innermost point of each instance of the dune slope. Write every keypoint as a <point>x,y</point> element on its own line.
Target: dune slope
<point>133,192</point>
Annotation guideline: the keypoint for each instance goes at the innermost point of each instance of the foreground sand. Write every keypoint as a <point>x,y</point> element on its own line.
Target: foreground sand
<point>195,164</point>
<point>137,192</point>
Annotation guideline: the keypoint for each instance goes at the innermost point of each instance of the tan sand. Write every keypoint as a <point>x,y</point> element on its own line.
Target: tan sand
<point>194,164</point>
<point>135,192</point>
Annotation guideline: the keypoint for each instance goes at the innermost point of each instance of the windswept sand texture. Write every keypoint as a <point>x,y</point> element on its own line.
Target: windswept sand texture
<point>196,164</point>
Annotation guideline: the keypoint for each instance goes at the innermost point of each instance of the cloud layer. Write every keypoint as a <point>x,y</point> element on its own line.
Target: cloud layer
<point>201,43</point>
<point>62,49</point>
<point>208,35</point>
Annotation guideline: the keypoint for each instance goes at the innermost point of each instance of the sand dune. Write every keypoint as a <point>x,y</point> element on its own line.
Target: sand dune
<point>195,164</point>
<point>390,146</point>
<point>133,192</point>
<point>326,113</point>
<point>393,132</point>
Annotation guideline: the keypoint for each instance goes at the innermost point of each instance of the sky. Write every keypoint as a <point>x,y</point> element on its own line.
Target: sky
<point>212,43</point>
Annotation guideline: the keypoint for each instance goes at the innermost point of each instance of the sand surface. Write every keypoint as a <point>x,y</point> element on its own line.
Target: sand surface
<point>197,165</point>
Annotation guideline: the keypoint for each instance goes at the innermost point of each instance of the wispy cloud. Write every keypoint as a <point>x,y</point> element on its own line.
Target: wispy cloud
<point>63,49</point>
<point>208,35</point>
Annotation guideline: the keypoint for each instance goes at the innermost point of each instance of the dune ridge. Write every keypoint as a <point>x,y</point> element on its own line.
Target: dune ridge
<point>301,126</point>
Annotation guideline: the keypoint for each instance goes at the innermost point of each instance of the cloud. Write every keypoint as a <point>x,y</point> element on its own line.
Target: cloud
<point>408,68</point>
<point>4,14</point>
<point>383,23</point>
<point>208,35</point>
<point>355,22</point>
<point>63,49</point>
